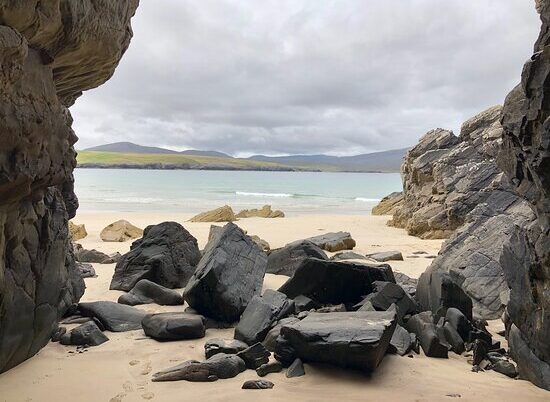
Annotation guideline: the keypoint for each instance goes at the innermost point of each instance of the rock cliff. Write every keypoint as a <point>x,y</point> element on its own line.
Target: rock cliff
<point>50,51</point>
<point>525,158</point>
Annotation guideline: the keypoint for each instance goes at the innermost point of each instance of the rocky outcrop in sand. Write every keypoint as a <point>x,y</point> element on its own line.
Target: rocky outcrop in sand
<point>120,231</point>
<point>525,159</point>
<point>50,51</point>
<point>264,212</point>
<point>389,205</point>
<point>221,214</point>
<point>77,232</point>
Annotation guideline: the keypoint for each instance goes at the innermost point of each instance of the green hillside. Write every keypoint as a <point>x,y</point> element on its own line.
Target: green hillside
<point>91,159</point>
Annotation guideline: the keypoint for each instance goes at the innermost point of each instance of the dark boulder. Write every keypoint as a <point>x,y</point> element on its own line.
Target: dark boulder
<point>257,384</point>
<point>85,270</point>
<point>436,292</point>
<point>296,369</point>
<point>230,273</point>
<point>284,352</point>
<point>227,346</point>
<point>347,255</point>
<point>270,340</point>
<point>87,334</point>
<point>530,367</point>
<point>334,241</point>
<point>331,282</point>
<point>219,366</point>
<point>260,315</point>
<point>422,325</point>
<point>88,256</point>
<point>167,254</point>
<point>388,293</point>
<point>286,260</point>
<point>400,342</point>
<point>146,292</point>
<point>268,368</point>
<point>384,256</point>
<point>453,338</point>
<point>350,340</point>
<point>113,316</point>
<point>406,282</point>
<point>254,356</point>
<point>304,303</point>
<point>505,367</point>
<point>173,326</point>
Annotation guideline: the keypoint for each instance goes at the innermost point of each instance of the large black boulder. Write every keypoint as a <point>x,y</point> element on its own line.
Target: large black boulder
<point>260,315</point>
<point>219,366</point>
<point>167,254</point>
<point>229,274</point>
<point>331,282</point>
<point>146,292</point>
<point>350,340</point>
<point>287,259</point>
<point>113,316</point>
<point>422,325</point>
<point>436,292</point>
<point>173,326</point>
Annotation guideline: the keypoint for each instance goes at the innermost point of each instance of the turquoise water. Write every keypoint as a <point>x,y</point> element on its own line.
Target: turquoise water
<point>193,191</point>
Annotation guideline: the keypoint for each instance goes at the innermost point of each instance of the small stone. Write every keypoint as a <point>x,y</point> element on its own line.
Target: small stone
<point>257,384</point>
<point>296,369</point>
<point>268,368</point>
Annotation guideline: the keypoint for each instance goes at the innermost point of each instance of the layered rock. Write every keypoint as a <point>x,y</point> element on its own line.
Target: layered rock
<point>50,51</point>
<point>264,212</point>
<point>445,177</point>
<point>525,159</point>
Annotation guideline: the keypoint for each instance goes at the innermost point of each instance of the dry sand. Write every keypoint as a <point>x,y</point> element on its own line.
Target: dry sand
<point>121,369</point>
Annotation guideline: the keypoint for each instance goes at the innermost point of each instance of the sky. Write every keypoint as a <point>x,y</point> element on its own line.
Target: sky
<point>279,77</point>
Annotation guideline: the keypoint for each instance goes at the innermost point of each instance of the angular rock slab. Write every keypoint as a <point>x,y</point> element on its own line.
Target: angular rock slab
<point>173,326</point>
<point>388,293</point>
<point>221,214</point>
<point>87,334</point>
<point>331,282</point>
<point>384,256</point>
<point>287,259</point>
<point>167,254</point>
<point>260,315</point>
<point>113,316</point>
<point>229,274</point>
<point>220,366</point>
<point>351,340</point>
<point>436,292</point>
<point>226,346</point>
<point>146,292</point>
<point>334,241</point>
<point>423,327</point>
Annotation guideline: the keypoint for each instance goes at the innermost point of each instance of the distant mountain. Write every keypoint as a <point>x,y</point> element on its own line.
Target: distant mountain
<point>130,148</point>
<point>385,161</point>
<point>205,153</point>
<point>130,154</point>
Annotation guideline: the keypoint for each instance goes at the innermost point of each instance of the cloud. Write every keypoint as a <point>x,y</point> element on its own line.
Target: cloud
<point>307,76</point>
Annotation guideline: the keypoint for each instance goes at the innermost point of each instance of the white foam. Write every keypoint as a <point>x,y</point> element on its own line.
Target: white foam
<point>367,199</point>
<point>247,194</point>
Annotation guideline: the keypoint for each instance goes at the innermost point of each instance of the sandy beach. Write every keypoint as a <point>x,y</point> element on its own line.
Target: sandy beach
<point>121,369</point>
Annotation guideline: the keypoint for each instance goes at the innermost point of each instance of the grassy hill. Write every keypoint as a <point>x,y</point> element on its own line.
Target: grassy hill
<point>96,159</point>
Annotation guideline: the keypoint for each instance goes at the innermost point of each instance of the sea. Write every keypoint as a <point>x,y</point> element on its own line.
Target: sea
<point>193,191</point>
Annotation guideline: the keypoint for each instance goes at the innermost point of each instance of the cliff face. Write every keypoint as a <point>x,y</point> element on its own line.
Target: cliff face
<point>445,177</point>
<point>50,51</point>
<point>525,159</point>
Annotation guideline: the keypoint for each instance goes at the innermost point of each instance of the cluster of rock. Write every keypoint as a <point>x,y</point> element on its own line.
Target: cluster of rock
<point>488,190</point>
<point>49,53</point>
<point>226,214</point>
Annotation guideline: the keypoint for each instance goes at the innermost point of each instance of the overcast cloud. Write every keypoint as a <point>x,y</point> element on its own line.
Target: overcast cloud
<point>307,76</point>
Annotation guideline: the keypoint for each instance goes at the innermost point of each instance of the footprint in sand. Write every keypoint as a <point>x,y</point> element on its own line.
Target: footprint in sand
<point>148,395</point>
<point>117,398</point>
<point>133,362</point>
<point>127,386</point>
<point>146,368</point>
